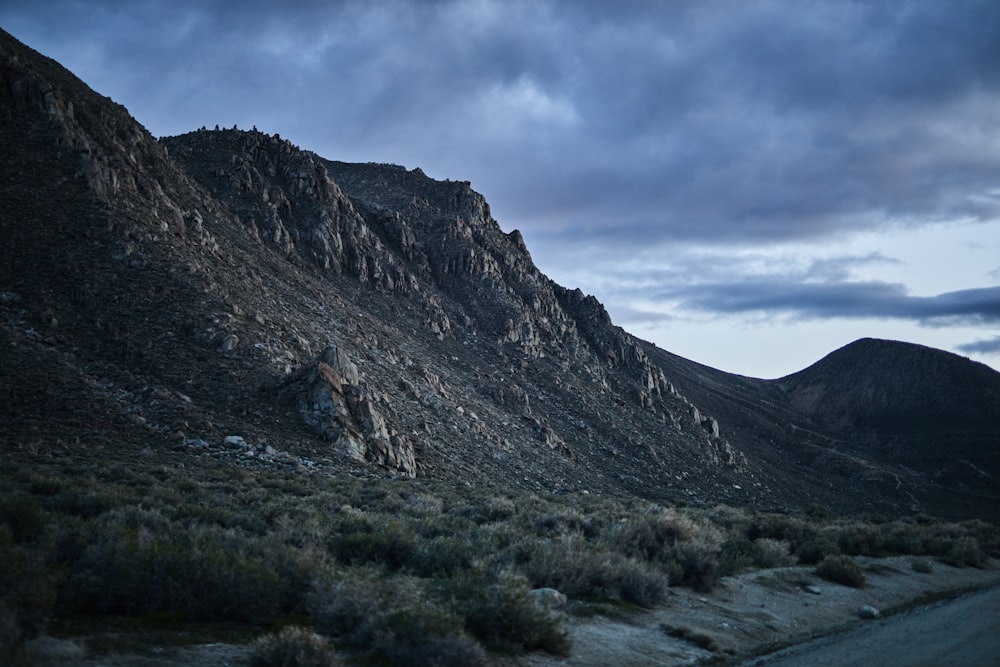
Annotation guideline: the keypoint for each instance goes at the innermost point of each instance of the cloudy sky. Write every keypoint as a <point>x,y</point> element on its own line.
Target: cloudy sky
<point>750,184</point>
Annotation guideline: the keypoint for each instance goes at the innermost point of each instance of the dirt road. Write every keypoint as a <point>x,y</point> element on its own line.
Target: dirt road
<point>753,612</point>
<point>960,633</point>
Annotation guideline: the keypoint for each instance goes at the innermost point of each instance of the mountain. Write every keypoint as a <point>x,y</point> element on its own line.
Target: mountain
<point>915,426</point>
<point>225,297</point>
<point>929,410</point>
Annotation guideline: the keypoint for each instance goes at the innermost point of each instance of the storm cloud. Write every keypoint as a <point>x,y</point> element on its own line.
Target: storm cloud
<point>707,120</point>
<point>608,130</point>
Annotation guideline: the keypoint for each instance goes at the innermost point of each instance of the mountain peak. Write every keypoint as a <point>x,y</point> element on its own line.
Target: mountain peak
<point>873,383</point>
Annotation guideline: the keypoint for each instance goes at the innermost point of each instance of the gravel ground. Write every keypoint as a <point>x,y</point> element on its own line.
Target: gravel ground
<point>952,633</point>
<point>754,614</point>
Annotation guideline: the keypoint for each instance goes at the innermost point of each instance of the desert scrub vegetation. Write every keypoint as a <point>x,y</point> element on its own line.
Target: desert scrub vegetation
<point>388,571</point>
<point>294,646</point>
<point>841,570</point>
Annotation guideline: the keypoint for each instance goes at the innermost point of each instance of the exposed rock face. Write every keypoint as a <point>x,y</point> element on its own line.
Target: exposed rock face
<point>340,408</point>
<point>360,317</point>
<point>433,246</point>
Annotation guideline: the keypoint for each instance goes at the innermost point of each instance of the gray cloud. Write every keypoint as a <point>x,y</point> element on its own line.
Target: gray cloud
<point>840,300</point>
<point>985,346</point>
<point>712,121</point>
<point>609,133</point>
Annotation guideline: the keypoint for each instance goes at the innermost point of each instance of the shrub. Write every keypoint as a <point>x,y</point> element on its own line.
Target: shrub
<point>12,634</point>
<point>500,612</point>
<point>699,562</point>
<point>443,556</point>
<point>423,634</point>
<point>581,570</point>
<point>24,516</point>
<point>737,554</point>
<point>293,647</point>
<point>815,549</point>
<point>964,551</point>
<point>653,536</point>
<point>780,527</point>
<point>490,510</point>
<point>424,504</point>
<point>26,595</point>
<point>728,517</point>
<point>136,561</point>
<point>348,609</point>
<point>818,511</point>
<point>390,543</point>
<point>689,551</point>
<point>861,540</point>
<point>773,553</point>
<point>43,485</point>
<point>921,565</point>
<point>569,521</point>
<point>988,536</point>
<point>841,570</point>
<point>640,584</point>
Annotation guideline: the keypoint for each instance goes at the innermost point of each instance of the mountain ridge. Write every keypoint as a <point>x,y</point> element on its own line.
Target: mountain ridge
<point>367,318</point>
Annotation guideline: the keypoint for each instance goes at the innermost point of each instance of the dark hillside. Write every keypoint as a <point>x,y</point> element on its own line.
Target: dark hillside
<point>224,284</point>
<point>890,386</point>
<point>228,298</point>
<point>912,426</point>
<point>931,411</point>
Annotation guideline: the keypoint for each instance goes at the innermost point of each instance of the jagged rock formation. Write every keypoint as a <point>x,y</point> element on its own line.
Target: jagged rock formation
<point>365,317</point>
<point>223,266</point>
<point>434,247</point>
<point>340,408</point>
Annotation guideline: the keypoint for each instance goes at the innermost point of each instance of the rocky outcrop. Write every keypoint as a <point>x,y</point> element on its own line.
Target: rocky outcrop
<point>286,199</point>
<point>435,245</point>
<point>120,162</point>
<point>341,408</point>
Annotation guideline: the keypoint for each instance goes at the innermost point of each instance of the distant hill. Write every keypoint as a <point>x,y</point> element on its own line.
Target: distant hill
<point>225,297</point>
<point>895,419</point>
<point>894,387</point>
<point>929,410</point>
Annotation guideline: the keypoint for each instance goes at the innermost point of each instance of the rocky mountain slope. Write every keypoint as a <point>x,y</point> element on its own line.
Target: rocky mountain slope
<point>225,295</point>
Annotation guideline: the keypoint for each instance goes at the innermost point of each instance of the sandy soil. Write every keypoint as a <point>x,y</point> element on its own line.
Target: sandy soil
<point>953,633</point>
<point>759,612</point>
<point>745,617</point>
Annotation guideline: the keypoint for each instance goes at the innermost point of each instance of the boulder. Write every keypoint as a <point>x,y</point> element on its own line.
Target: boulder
<point>549,598</point>
<point>336,403</point>
<point>868,612</point>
